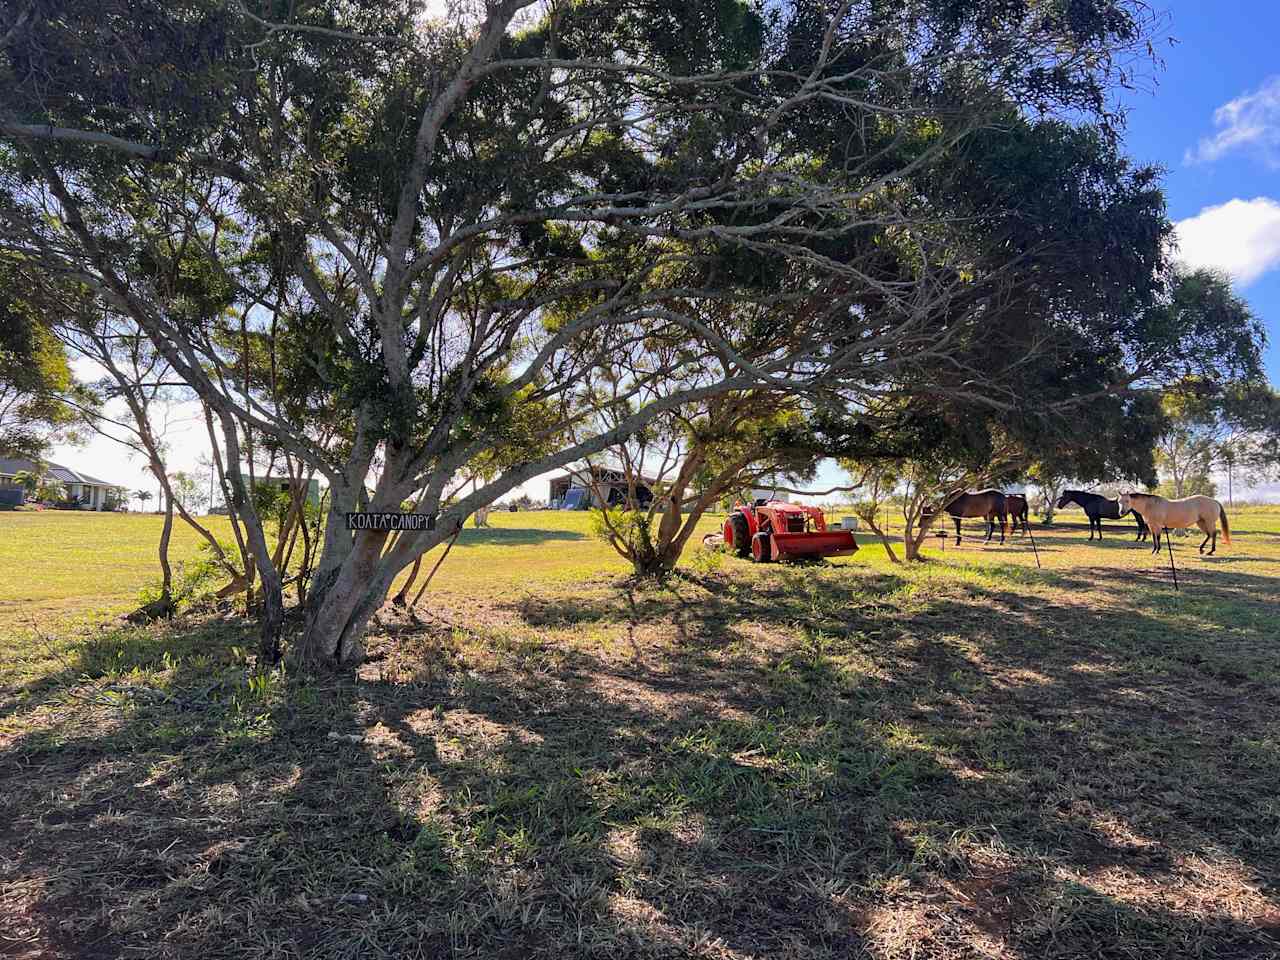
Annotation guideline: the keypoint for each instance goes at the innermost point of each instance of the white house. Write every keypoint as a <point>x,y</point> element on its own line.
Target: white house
<point>90,491</point>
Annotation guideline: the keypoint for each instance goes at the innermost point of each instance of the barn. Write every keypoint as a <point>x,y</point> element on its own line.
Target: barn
<point>579,490</point>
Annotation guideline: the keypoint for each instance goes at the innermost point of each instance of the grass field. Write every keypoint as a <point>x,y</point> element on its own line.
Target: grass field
<point>966,758</point>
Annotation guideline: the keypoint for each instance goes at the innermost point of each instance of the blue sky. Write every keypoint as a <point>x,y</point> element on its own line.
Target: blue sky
<point>1210,119</point>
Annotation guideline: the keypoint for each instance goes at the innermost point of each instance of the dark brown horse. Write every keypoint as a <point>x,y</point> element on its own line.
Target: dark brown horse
<point>1098,508</point>
<point>1019,511</point>
<point>987,504</point>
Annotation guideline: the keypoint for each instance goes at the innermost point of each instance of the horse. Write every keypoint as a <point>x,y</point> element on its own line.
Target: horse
<point>1161,514</point>
<point>987,504</point>
<point>1098,508</point>
<point>1019,511</point>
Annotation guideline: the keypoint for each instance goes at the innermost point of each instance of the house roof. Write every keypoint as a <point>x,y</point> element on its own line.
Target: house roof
<point>11,465</point>
<point>573,476</point>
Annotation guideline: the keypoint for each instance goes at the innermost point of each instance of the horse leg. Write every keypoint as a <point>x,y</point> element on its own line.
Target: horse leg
<point>1214,548</point>
<point>1004,521</point>
<point>957,520</point>
<point>1156,531</point>
<point>1204,528</point>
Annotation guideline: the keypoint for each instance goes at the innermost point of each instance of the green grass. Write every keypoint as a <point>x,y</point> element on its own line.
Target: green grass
<point>68,560</point>
<point>967,758</point>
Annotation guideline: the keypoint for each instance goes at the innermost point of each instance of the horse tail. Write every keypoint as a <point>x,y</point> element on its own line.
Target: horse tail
<point>1226,527</point>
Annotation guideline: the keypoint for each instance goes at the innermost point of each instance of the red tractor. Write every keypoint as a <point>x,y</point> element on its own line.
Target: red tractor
<point>771,530</point>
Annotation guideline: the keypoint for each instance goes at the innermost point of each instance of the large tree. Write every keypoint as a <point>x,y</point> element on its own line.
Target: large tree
<point>464,221</point>
<point>980,320</point>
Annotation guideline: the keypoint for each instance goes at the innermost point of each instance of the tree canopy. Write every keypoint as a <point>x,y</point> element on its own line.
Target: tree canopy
<point>400,248</point>
<point>38,393</point>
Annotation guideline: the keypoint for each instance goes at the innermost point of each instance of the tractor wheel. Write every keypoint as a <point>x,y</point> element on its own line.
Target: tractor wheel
<point>740,542</point>
<point>762,548</point>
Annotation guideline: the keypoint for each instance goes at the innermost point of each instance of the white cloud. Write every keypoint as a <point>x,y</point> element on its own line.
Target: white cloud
<point>1252,121</point>
<point>1240,237</point>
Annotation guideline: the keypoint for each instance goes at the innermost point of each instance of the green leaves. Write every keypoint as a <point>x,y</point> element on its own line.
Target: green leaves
<point>37,389</point>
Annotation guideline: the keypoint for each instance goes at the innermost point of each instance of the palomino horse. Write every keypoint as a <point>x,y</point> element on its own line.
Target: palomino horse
<point>1162,514</point>
<point>1098,508</point>
<point>987,504</point>
<point>1019,511</point>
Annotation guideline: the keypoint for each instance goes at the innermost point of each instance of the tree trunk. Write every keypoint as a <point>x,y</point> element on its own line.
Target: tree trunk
<point>913,539</point>
<point>339,615</point>
<point>884,539</point>
<point>342,601</point>
<point>402,596</point>
<point>675,527</point>
<point>163,605</point>
<point>166,588</point>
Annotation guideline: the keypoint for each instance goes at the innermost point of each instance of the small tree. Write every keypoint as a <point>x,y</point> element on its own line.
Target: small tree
<point>1190,444</point>
<point>877,483</point>
<point>1211,427</point>
<point>691,461</point>
<point>1049,485</point>
<point>38,485</point>
<point>189,491</point>
<point>30,481</point>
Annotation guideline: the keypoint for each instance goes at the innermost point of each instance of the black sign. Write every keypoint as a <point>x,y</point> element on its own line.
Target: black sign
<point>391,521</point>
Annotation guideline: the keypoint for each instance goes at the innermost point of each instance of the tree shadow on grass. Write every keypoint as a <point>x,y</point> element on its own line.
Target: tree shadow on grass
<point>844,771</point>
<point>514,536</point>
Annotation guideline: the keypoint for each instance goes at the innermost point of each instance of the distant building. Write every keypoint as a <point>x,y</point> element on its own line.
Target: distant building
<point>284,485</point>
<point>89,493</point>
<point>606,487</point>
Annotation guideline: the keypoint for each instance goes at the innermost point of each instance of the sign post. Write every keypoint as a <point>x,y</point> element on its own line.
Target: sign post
<point>389,520</point>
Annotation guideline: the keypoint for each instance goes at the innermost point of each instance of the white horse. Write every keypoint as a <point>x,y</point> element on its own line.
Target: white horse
<point>1161,514</point>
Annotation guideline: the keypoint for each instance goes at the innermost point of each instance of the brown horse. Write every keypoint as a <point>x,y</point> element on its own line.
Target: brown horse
<point>987,504</point>
<point>1019,511</point>
<point>1161,514</point>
